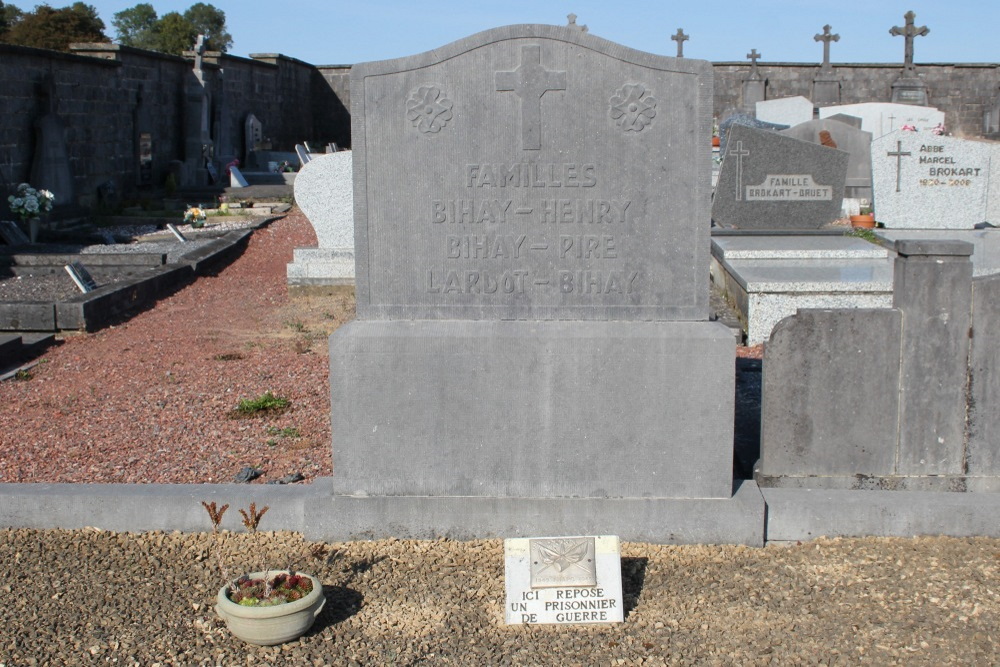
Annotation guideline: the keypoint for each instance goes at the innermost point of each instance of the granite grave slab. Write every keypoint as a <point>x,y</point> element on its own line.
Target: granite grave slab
<point>771,181</point>
<point>923,181</point>
<point>857,143</point>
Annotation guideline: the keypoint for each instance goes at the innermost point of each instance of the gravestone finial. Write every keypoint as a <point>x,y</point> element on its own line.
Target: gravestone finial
<point>826,38</point>
<point>572,23</point>
<point>680,38</point>
<point>753,56</point>
<point>909,31</point>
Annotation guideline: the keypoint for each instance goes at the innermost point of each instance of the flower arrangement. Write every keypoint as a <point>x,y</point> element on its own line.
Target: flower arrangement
<point>909,128</point>
<point>195,216</point>
<point>939,130</point>
<point>30,203</point>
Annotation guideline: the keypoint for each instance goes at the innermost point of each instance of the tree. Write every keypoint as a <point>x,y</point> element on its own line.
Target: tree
<point>211,22</point>
<point>175,34</point>
<point>9,16</point>
<point>48,28</point>
<point>137,26</point>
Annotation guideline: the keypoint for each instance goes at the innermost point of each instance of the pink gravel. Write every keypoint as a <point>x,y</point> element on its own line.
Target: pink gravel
<point>149,400</point>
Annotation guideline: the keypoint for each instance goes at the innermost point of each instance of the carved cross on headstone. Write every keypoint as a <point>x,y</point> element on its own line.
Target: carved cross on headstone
<point>826,38</point>
<point>680,38</point>
<point>529,82</point>
<point>899,154</point>
<point>739,153</point>
<point>753,56</point>
<point>909,31</point>
<point>199,51</point>
<point>572,23</point>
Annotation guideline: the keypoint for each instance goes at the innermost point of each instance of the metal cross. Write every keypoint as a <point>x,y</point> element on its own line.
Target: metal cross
<point>826,38</point>
<point>529,82</point>
<point>739,153</point>
<point>899,154</point>
<point>680,38</point>
<point>753,55</point>
<point>909,31</point>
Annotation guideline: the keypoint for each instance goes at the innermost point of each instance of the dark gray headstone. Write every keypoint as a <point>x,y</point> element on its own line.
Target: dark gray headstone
<point>847,138</point>
<point>50,165</point>
<point>770,181</point>
<point>531,218</point>
<point>12,234</point>
<point>531,185</point>
<point>853,121</point>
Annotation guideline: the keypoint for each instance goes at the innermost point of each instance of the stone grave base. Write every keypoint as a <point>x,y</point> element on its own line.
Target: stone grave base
<point>529,409</point>
<point>736,520</point>
<point>805,514</point>
<point>321,266</point>
<point>768,278</point>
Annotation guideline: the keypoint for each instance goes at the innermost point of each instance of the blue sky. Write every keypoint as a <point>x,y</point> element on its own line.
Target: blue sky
<point>337,32</point>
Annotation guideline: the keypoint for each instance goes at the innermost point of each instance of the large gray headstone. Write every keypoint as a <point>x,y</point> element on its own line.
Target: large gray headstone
<point>770,181</point>
<point>923,181</point>
<point>531,220</point>
<point>857,143</point>
<point>533,177</point>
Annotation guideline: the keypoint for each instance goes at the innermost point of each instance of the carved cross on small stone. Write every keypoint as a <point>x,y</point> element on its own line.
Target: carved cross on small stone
<point>826,38</point>
<point>753,56</point>
<point>680,38</point>
<point>909,31</point>
<point>529,82</point>
<point>572,23</point>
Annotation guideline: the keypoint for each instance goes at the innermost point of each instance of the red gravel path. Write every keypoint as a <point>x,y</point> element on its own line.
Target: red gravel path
<point>148,401</point>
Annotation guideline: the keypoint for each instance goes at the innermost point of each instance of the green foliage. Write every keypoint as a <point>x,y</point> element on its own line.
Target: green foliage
<point>9,16</point>
<point>864,233</point>
<point>287,432</point>
<point>174,33</point>
<point>265,402</point>
<point>136,26</point>
<point>56,29</point>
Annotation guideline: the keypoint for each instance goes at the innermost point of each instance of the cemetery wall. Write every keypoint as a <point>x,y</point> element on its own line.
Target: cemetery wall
<point>97,98</point>
<point>965,92</point>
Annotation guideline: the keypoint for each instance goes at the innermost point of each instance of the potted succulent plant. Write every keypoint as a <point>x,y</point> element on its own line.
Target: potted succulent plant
<point>269,606</point>
<point>865,219</point>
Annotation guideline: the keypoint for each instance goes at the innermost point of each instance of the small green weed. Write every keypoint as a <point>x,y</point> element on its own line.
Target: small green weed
<point>288,432</point>
<point>863,233</point>
<point>296,325</point>
<point>266,402</point>
<point>23,375</point>
<point>228,356</point>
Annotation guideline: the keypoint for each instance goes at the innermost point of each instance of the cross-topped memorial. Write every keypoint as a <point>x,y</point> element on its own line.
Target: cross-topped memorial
<point>529,82</point>
<point>753,56</point>
<point>826,38</point>
<point>680,38</point>
<point>909,31</point>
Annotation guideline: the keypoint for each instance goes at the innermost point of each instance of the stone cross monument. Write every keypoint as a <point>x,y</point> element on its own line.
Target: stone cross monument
<point>909,88</point>
<point>826,84</point>
<point>755,86</point>
<point>680,38</point>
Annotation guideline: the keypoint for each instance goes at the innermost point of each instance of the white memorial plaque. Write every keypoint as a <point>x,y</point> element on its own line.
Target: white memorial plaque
<point>564,580</point>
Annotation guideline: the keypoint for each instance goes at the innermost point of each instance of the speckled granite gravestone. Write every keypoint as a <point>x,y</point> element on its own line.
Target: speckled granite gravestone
<point>923,181</point>
<point>857,143</point>
<point>324,191</point>
<point>785,110</point>
<point>771,181</point>
<point>532,353</point>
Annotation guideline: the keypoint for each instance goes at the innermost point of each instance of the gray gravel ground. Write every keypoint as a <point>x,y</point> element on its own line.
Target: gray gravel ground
<point>91,597</point>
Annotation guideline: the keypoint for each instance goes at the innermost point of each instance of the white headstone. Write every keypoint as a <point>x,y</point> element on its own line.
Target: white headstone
<point>303,153</point>
<point>563,580</point>
<point>236,178</point>
<point>924,181</point>
<point>881,118</point>
<point>324,191</point>
<point>785,111</point>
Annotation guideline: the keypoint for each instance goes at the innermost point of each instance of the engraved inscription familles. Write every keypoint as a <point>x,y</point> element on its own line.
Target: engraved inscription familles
<point>530,226</point>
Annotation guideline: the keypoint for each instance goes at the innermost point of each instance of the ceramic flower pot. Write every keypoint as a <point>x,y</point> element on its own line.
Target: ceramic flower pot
<point>277,624</point>
<point>864,221</point>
